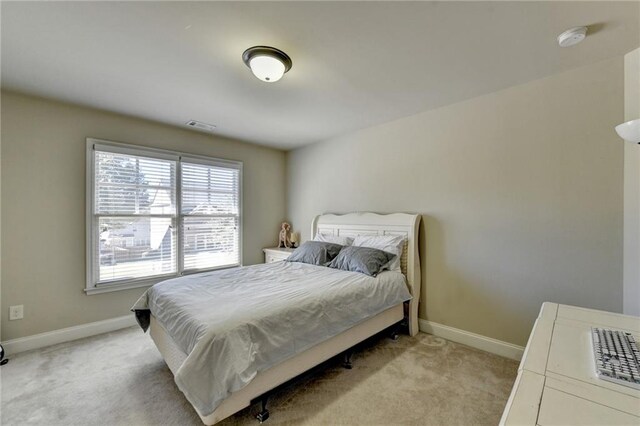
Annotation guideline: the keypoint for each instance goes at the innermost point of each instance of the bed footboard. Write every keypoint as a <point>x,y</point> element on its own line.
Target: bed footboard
<point>278,374</point>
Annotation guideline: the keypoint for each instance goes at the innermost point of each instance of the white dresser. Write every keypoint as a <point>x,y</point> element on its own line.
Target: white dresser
<point>557,382</point>
<point>276,254</point>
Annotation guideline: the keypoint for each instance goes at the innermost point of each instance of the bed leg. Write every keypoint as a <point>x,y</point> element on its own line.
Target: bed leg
<point>394,332</point>
<point>264,414</point>
<point>347,360</point>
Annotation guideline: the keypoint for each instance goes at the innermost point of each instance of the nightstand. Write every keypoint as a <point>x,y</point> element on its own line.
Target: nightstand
<point>276,254</point>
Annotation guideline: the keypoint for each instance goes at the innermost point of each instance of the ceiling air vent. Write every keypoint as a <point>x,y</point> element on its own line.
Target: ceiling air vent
<point>201,126</point>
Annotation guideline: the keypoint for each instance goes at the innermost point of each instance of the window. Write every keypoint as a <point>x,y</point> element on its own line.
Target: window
<point>154,214</point>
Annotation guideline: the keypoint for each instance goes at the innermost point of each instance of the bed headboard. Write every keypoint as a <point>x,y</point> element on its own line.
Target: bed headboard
<point>353,224</point>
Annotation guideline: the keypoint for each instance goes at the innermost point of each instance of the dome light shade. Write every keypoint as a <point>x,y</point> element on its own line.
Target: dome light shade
<point>267,63</point>
<point>629,131</point>
<point>266,68</point>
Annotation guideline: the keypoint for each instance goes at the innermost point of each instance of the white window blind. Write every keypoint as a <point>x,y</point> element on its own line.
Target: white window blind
<point>210,215</point>
<point>156,214</point>
<point>135,216</point>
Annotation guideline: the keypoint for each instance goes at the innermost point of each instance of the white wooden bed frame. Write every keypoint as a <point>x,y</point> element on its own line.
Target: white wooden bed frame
<point>351,224</point>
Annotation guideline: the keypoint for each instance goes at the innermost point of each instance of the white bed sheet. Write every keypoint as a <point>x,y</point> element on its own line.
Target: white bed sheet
<point>235,323</point>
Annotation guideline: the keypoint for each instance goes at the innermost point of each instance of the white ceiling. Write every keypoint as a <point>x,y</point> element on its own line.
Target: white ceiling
<point>355,64</point>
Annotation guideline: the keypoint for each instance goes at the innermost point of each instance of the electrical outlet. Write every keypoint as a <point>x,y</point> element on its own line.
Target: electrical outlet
<point>16,312</point>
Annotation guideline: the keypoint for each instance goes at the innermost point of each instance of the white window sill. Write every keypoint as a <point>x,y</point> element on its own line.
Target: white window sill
<point>108,288</point>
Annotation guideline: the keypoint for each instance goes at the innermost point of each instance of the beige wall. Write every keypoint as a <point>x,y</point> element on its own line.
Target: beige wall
<point>631,188</point>
<point>520,192</point>
<point>43,205</point>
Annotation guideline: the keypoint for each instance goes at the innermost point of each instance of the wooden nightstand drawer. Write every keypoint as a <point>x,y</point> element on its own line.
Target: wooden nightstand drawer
<point>268,258</point>
<point>275,254</point>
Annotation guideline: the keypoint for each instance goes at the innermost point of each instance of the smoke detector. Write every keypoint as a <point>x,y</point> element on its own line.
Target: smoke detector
<point>572,36</point>
<point>201,126</point>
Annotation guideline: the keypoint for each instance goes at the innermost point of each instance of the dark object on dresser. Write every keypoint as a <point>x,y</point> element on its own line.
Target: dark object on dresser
<point>2,360</point>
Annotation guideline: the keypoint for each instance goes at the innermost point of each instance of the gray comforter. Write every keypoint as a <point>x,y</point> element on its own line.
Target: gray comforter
<point>237,322</point>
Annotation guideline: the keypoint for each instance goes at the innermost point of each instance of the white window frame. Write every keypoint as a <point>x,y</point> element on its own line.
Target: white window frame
<point>94,287</point>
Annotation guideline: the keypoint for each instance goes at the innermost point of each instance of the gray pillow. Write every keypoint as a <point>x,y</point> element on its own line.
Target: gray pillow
<point>366,260</point>
<point>315,253</point>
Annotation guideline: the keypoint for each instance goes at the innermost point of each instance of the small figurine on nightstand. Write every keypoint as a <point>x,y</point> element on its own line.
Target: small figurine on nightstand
<point>284,239</point>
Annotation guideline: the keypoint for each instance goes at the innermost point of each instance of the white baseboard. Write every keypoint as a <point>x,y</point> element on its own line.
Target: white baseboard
<point>67,334</point>
<point>477,341</point>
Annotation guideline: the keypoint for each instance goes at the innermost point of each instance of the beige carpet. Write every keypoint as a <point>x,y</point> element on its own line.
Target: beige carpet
<point>120,379</point>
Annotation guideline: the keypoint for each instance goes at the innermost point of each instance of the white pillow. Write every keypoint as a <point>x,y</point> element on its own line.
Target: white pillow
<point>343,241</point>
<point>389,243</point>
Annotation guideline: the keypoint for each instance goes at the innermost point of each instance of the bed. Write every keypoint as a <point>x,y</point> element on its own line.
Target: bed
<point>311,325</point>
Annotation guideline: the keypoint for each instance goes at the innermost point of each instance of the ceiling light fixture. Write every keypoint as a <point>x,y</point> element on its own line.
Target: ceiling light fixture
<point>572,36</point>
<point>629,131</point>
<point>267,63</point>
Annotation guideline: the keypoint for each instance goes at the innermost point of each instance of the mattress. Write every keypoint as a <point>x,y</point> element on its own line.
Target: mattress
<point>235,323</point>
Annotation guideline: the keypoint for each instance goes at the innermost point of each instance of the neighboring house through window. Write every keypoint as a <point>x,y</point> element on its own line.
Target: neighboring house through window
<point>155,214</point>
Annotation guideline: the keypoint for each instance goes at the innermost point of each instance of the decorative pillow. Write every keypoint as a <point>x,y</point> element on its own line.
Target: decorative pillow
<point>366,260</point>
<point>393,244</point>
<point>315,253</point>
<point>343,241</point>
